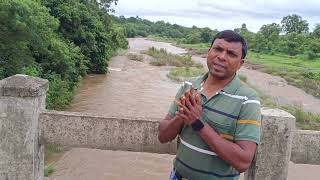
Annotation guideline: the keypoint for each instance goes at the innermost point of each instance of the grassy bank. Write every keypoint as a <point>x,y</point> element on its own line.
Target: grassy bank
<point>185,67</point>
<point>185,73</point>
<point>297,71</point>
<point>304,120</point>
<point>163,39</point>
<point>199,49</point>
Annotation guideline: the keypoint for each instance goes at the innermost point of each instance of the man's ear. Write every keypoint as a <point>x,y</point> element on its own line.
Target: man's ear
<point>241,63</point>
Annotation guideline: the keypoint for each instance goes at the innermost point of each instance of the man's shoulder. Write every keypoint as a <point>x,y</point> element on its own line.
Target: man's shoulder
<point>245,90</point>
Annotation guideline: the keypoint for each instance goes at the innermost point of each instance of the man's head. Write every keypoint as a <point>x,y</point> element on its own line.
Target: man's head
<point>231,36</point>
<point>226,54</point>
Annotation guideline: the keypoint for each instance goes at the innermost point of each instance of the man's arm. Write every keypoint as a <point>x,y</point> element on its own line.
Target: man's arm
<point>239,155</point>
<point>169,128</point>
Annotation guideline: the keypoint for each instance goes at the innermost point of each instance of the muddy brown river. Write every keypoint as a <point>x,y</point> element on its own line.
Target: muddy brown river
<point>138,89</point>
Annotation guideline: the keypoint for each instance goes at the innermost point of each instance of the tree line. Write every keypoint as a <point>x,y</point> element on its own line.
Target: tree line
<point>290,37</point>
<point>57,40</point>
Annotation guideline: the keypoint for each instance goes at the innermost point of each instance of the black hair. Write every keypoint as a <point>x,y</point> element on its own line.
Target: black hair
<point>231,36</point>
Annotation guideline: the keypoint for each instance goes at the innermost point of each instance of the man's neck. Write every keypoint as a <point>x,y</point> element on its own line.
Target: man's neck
<point>212,85</point>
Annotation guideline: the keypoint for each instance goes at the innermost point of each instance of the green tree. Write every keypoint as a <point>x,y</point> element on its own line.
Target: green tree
<point>292,43</point>
<point>294,23</point>
<point>206,35</point>
<point>246,34</point>
<point>88,27</point>
<point>271,31</point>
<point>194,37</point>
<point>316,31</point>
<point>313,48</point>
<point>267,38</point>
<point>29,44</point>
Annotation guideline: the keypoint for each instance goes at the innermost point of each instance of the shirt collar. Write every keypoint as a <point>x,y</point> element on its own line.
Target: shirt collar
<point>230,88</point>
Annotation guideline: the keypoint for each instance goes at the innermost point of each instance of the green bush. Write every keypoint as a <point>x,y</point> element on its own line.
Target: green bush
<point>59,94</point>
<point>162,58</point>
<point>135,57</point>
<point>48,170</point>
<point>312,75</point>
<point>311,55</point>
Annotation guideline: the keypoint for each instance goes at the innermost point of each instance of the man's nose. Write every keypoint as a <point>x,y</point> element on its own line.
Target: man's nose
<point>222,56</point>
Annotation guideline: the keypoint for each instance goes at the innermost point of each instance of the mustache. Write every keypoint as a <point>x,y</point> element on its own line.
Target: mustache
<point>220,64</point>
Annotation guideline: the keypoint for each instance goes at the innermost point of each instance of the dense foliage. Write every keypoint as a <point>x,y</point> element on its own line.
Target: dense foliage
<point>57,40</point>
<point>135,26</point>
<point>291,37</point>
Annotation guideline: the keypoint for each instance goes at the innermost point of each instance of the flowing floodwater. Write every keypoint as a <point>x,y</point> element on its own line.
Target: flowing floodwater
<point>131,88</point>
<point>138,89</point>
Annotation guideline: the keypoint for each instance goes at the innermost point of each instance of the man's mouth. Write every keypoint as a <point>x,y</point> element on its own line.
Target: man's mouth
<point>219,66</point>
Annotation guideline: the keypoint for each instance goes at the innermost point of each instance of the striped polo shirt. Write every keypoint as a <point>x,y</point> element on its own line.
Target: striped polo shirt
<point>234,113</point>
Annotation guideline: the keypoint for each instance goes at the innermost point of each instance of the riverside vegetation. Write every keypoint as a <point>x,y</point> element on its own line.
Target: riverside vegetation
<point>287,49</point>
<point>57,40</point>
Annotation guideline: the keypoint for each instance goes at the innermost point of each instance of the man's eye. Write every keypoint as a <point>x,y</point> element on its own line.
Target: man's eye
<point>218,49</point>
<point>232,55</point>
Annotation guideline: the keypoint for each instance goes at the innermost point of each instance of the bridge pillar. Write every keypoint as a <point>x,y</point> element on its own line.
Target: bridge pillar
<point>22,98</point>
<point>273,154</point>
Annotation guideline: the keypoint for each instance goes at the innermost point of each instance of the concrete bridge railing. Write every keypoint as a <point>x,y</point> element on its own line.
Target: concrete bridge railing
<point>25,127</point>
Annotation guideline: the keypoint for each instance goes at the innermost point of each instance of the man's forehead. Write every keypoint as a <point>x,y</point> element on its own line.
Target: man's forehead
<point>229,45</point>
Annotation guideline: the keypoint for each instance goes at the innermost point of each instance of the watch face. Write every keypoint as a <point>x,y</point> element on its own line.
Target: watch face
<point>197,125</point>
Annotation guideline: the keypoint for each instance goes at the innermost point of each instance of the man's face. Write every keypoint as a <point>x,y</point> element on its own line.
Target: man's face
<point>224,58</point>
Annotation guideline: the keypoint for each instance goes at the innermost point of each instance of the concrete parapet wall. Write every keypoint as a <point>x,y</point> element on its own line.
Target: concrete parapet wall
<point>306,147</point>
<point>113,133</point>
<point>22,98</point>
<point>25,126</point>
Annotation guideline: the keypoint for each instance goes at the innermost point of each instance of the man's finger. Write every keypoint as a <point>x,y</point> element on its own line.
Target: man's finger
<point>186,111</point>
<point>183,100</point>
<point>181,114</point>
<point>182,107</point>
<point>192,97</point>
<point>197,99</point>
<point>192,90</point>
<point>188,103</point>
<point>178,102</point>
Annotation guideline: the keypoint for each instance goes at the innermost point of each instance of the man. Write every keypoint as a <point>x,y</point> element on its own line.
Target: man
<point>218,120</point>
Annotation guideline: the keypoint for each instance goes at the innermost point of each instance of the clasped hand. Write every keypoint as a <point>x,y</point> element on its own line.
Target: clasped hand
<point>190,108</point>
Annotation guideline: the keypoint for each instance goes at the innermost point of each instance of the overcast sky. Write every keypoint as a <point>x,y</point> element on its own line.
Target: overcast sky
<point>225,14</point>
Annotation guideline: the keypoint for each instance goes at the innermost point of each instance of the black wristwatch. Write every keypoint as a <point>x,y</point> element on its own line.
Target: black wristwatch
<point>197,125</point>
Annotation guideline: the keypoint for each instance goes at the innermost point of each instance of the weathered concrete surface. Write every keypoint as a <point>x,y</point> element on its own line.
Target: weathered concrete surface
<point>139,134</point>
<point>306,147</point>
<point>23,86</point>
<point>273,154</point>
<point>112,133</point>
<point>22,98</point>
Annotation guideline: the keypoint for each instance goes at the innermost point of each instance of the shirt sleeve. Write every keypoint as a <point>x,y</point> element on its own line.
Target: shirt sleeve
<point>248,126</point>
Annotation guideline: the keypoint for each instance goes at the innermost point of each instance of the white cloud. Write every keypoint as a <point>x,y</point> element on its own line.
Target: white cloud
<point>228,14</point>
